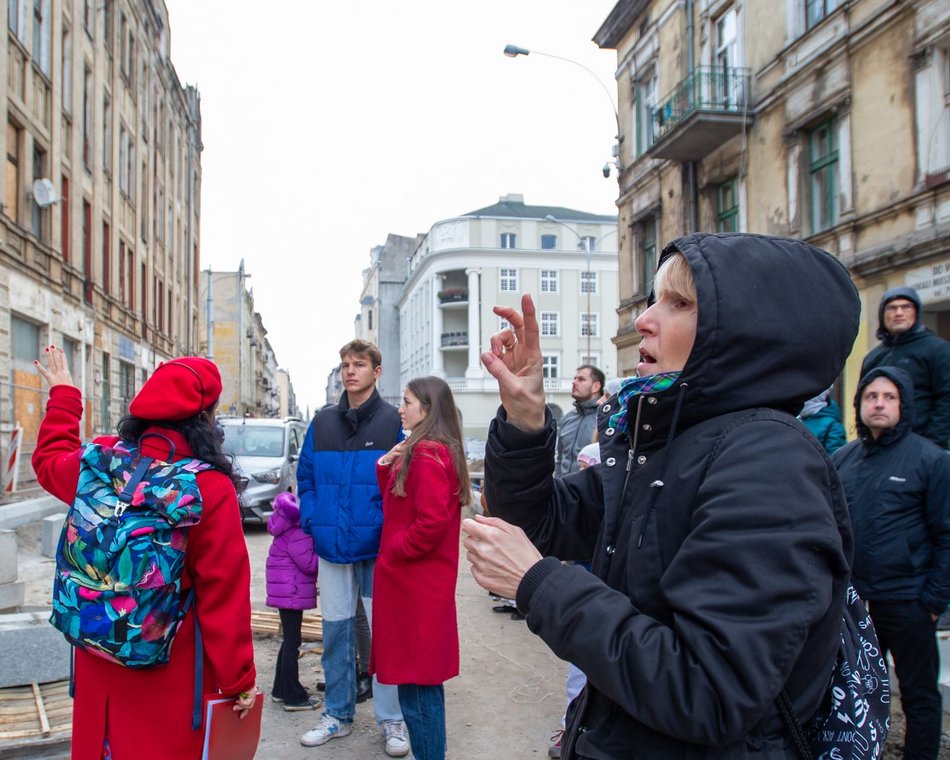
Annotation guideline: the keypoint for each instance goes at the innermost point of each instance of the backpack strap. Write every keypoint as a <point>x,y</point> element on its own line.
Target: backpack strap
<point>199,663</point>
<point>784,704</point>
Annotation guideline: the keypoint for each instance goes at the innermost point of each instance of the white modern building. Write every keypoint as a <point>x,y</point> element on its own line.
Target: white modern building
<point>464,266</point>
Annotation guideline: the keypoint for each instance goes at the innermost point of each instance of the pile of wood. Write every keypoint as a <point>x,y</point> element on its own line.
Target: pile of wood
<point>35,711</point>
<point>267,623</point>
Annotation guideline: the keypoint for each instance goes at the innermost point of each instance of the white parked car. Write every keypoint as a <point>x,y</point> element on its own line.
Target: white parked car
<point>265,451</point>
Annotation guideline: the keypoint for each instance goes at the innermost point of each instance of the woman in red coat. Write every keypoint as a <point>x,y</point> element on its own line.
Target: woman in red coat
<point>424,482</point>
<point>146,713</point>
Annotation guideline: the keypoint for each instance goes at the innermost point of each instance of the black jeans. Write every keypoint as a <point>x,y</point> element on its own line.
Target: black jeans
<point>907,631</point>
<point>286,676</point>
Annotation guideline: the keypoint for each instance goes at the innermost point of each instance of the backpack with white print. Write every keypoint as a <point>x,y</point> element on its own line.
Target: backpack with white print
<point>852,720</point>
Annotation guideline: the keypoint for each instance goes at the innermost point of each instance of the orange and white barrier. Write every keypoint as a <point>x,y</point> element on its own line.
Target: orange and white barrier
<point>11,465</point>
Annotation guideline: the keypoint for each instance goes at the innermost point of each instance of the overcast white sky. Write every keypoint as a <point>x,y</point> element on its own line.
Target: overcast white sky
<point>328,125</point>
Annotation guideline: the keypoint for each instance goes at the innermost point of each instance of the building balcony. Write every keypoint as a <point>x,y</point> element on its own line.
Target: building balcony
<point>451,296</point>
<point>705,110</point>
<point>455,339</point>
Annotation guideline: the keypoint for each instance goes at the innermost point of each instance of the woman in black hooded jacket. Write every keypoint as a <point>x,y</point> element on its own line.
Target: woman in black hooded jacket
<point>719,534</point>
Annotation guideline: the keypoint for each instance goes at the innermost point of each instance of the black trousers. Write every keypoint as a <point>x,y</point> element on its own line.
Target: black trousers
<point>907,631</point>
<point>286,675</point>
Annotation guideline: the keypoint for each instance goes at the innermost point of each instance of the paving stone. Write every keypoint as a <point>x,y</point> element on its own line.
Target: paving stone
<point>8,556</point>
<point>11,597</point>
<point>52,527</point>
<point>33,651</point>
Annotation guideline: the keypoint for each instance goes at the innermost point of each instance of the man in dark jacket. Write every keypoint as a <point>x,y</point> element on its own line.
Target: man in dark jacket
<point>720,537</point>
<point>907,344</point>
<point>576,428</point>
<point>898,489</point>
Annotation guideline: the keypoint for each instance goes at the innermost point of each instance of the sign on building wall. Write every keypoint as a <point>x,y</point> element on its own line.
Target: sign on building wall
<point>931,282</point>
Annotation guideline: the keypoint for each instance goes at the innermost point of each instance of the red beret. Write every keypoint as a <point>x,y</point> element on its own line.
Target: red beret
<point>178,389</point>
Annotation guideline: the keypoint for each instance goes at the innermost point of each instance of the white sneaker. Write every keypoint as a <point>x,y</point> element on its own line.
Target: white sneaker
<point>328,728</point>
<point>394,731</point>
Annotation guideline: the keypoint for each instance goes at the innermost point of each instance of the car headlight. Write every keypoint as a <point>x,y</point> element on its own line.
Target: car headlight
<point>270,476</point>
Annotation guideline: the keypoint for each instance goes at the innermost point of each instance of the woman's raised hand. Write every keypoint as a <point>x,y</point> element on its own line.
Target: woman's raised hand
<point>515,362</point>
<point>56,371</point>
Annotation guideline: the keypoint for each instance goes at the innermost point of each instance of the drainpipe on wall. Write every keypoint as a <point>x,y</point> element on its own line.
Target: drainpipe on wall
<point>209,320</point>
<point>692,200</point>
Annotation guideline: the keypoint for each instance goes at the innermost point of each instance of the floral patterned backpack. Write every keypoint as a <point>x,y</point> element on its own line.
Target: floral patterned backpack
<point>117,588</point>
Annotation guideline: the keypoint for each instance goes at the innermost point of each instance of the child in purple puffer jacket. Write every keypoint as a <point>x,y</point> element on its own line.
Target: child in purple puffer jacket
<point>291,588</point>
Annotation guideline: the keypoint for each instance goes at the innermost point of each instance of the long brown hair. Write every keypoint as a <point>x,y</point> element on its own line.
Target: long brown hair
<point>442,424</point>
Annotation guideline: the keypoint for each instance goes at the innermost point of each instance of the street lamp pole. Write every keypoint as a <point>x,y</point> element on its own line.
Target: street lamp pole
<point>513,51</point>
<point>583,243</point>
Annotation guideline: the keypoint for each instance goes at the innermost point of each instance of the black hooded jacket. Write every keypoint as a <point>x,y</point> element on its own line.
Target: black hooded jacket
<point>898,490</point>
<point>719,532</point>
<point>926,358</point>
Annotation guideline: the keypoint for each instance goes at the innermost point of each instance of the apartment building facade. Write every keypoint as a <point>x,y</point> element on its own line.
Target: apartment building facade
<point>827,120</point>
<point>464,266</point>
<point>378,320</point>
<point>233,335</point>
<point>100,215</point>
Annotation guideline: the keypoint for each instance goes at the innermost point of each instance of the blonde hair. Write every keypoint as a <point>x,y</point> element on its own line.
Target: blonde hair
<point>675,278</point>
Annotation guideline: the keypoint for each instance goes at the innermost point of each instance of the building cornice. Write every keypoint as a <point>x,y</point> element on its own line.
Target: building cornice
<point>618,23</point>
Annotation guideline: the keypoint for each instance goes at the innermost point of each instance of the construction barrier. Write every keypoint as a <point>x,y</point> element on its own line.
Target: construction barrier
<point>11,465</point>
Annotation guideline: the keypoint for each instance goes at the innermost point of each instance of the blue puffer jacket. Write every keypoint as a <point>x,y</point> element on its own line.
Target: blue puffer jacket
<point>340,503</point>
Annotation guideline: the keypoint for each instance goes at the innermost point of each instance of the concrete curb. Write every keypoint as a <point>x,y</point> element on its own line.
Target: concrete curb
<point>17,513</point>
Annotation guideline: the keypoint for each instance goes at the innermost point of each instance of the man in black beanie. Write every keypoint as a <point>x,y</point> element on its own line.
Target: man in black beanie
<point>907,344</point>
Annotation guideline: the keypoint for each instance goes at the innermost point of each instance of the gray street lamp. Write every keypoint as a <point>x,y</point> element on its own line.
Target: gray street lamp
<point>513,51</point>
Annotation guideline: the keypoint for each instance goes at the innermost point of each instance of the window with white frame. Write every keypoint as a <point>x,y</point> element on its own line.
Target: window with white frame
<point>589,282</point>
<point>42,30</point>
<point>589,325</point>
<point>508,280</point>
<point>589,243</point>
<point>548,242</point>
<point>817,10</point>
<point>503,324</point>
<point>549,282</point>
<point>550,366</point>
<point>644,103</point>
<point>932,92</point>
<point>550,323</point>
<point>508,240</point>
<point>593,359</point>
<point>67,71</point>
<point>728,90</point>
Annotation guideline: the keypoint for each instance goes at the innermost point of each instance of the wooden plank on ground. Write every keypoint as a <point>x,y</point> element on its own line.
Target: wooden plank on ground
<point>267,623</point>
<point>35,711</point>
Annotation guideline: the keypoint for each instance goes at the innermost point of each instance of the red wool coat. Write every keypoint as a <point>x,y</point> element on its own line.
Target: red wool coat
<point>147,713</point>
<point>415,630</point>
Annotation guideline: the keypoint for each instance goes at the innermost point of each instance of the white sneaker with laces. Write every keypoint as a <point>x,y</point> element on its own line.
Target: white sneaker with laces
<point>397,743</point>
<point>328,728</point>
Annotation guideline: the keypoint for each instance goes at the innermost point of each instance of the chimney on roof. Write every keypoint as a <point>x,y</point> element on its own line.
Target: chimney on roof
<point>512,198</point>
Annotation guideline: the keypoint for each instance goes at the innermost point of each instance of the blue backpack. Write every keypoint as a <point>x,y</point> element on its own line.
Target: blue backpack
<point>852,720</point>
<point>117,588</point>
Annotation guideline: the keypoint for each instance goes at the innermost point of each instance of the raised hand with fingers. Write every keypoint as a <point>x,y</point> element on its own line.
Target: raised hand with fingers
<point>56,371</point>
<point>514,360</point>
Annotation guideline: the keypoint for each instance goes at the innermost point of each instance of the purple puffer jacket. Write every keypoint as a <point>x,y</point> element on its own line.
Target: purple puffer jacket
<point>291,561</point>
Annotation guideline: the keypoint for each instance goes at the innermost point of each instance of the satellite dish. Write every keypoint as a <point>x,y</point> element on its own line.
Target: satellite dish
<point>44,193</point>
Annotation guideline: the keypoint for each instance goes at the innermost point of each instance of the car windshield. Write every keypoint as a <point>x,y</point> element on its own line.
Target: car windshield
<point>254,440</point>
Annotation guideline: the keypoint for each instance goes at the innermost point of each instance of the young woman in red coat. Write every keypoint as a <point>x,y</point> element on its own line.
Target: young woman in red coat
<point>424,482</point>
<point>146,713</point>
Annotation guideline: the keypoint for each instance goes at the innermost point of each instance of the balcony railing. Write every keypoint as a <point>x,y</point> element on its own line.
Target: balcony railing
<point>703,111</point>
<point>456,338</point>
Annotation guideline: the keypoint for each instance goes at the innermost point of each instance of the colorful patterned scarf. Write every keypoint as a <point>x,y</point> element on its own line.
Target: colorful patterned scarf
<point>639,386</point>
